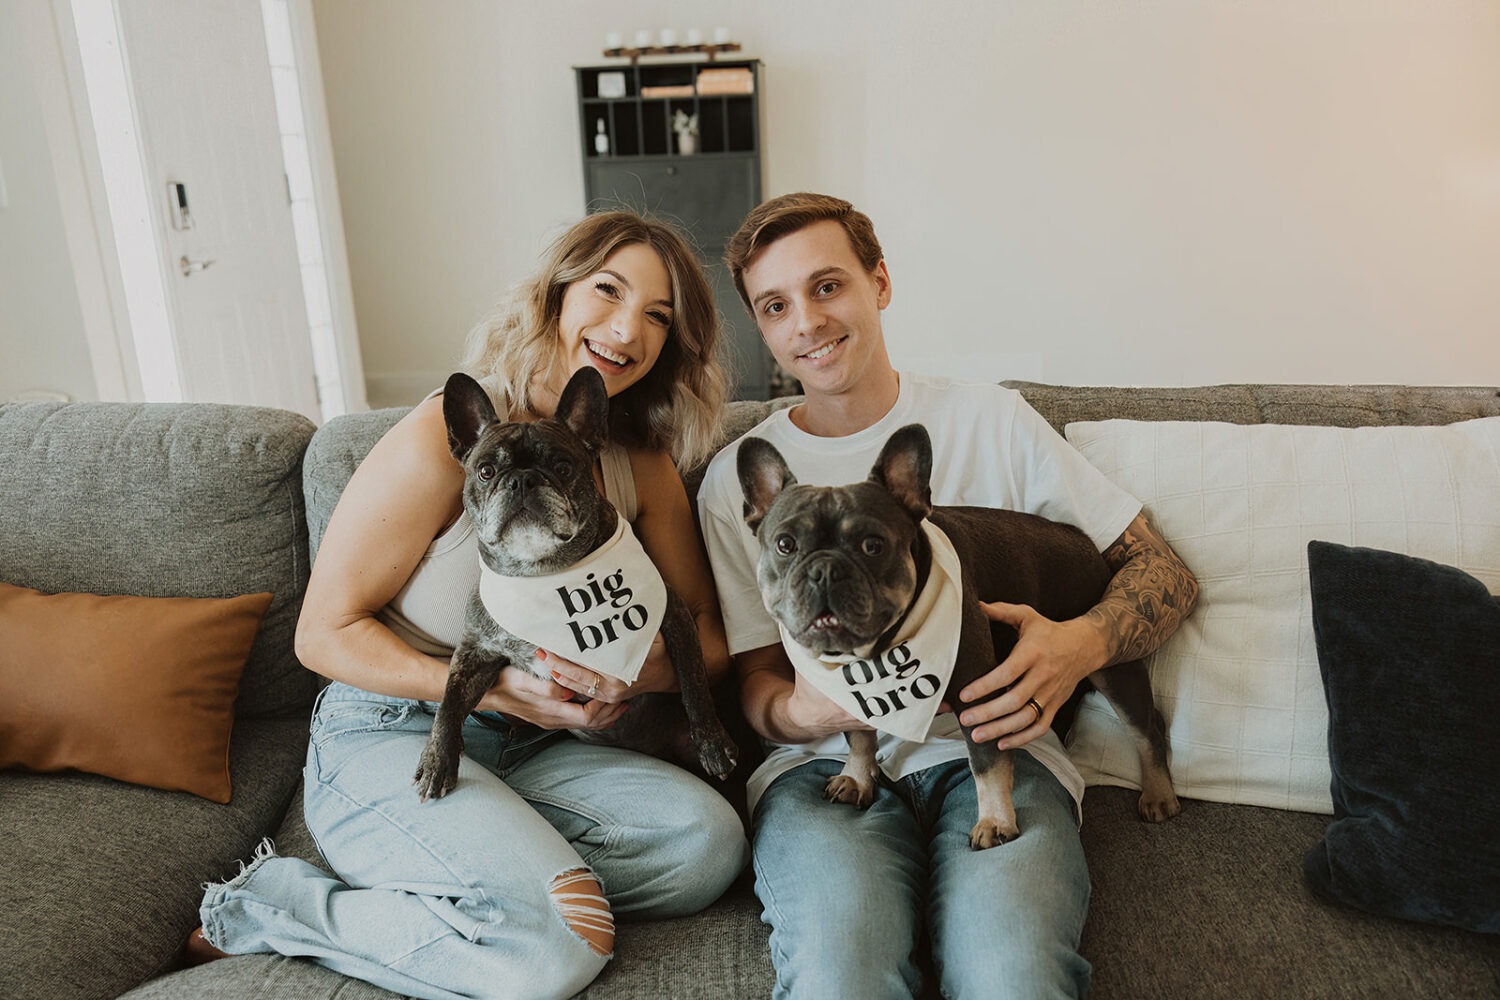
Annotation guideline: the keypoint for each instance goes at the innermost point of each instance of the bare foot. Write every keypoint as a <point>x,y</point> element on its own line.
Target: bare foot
<point>198,951</point>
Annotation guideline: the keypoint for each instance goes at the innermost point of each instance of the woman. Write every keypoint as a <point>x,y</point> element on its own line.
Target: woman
<point>508,885</point>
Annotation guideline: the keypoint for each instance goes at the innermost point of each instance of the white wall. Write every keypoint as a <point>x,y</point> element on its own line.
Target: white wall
<point>1155,192</point>
<point>42,342</point>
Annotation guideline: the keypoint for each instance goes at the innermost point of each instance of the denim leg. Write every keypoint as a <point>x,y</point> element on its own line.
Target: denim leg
<point>440,899</point>
<point>1006,921</point>
<point>842,889</point>
<point>663,843</point>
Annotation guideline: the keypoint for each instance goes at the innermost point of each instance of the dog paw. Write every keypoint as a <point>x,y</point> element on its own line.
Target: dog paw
<point>989,833</point>
<point>717,753</point>
<point>435,777</point>
<point>1158,808</point>
<point>843,788</point>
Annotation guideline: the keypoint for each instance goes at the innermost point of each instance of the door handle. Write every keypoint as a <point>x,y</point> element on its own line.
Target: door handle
<point>192,267</point>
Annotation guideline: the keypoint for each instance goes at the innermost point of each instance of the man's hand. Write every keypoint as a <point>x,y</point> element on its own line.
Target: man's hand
<point>1049,660</point>
<point>815,714</point>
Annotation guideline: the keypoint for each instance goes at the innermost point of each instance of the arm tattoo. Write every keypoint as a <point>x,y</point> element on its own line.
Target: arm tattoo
<point>1150,594</point>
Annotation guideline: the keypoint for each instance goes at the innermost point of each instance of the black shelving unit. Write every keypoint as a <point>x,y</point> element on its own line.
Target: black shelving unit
<point>706,192</point>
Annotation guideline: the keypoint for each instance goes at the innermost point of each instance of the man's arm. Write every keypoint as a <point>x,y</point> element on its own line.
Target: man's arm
<point>779,708</point>
<point>1150,594</point>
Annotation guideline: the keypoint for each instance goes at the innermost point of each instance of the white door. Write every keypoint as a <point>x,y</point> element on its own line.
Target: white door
<point>207,118</point>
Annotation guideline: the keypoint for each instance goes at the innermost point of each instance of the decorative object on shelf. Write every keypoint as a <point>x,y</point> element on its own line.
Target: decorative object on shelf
<point>667,44</point>
<point>725,80</point>
<point>611,84</point>
<point>669,90</point>
<point>601,138</point>
<point>686,127</point>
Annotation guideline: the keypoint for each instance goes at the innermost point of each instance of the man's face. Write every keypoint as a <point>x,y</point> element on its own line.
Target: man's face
<point>817,307</point>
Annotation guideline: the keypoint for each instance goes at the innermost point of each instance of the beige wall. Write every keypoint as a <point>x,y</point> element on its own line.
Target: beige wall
<point>42,342</point>
<point>1161,191</point>
<point>1077,191</point>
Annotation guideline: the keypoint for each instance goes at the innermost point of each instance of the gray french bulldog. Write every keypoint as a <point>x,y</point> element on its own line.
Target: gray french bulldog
<point>841,566</point>
<point>529,489</point>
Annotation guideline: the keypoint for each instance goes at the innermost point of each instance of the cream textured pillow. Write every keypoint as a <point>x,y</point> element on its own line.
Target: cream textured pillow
<point>136,688</point>
<point>1239,683</point>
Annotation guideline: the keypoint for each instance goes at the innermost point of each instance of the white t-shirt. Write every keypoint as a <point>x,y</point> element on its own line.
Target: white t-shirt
<point>990,449</point>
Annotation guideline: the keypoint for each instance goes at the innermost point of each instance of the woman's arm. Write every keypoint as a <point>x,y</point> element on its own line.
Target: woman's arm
<point>402,496</point>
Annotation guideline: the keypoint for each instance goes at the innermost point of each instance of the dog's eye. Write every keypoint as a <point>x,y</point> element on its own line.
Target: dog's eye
<point>486,471</point>
<point>564,470</point>
<point>786,544</point>
<point>873,545</point>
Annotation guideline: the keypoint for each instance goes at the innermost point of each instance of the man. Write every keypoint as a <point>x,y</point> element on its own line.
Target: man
<point>850,894</point>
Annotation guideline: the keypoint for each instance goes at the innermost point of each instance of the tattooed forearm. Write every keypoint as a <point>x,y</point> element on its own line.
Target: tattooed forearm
<point>1151,593</point>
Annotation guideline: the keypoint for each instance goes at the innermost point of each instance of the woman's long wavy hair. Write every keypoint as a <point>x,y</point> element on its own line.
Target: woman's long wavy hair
<point>675,407</point>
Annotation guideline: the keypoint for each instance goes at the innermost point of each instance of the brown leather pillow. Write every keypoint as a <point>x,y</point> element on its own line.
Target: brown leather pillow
<point>136,688</point>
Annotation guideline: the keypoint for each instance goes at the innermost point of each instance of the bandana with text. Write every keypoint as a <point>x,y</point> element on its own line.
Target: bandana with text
<point>602,611</point>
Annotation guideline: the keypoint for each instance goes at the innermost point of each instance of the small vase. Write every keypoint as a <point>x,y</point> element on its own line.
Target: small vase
<point>687,143</point>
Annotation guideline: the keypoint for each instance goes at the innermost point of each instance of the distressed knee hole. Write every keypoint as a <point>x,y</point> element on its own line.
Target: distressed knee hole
<point>580,902</point>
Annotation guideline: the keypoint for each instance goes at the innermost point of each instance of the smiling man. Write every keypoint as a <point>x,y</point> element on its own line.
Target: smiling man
<point>849,894</point>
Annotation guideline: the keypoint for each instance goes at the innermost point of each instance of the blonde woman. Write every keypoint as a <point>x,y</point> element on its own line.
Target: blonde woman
<point>509,885</point>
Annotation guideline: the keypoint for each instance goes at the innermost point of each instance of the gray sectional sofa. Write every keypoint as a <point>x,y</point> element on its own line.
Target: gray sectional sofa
<point>100,881</point>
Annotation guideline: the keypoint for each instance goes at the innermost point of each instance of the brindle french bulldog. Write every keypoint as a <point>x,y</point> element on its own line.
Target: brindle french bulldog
<point>529,489</point>
<point>836,592</point>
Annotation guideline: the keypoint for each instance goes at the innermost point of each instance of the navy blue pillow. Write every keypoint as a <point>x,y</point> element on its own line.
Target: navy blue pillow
<point>1410,655</point>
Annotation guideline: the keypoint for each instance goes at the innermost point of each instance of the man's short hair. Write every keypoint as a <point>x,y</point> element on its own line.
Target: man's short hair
<point>771,220</point>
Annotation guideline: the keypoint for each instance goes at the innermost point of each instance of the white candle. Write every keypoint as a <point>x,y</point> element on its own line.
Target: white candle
<point>668,37</point>
<point>614,40</point>
<point>694,36</point>
<point>721,35</point>
<point>643,38</point>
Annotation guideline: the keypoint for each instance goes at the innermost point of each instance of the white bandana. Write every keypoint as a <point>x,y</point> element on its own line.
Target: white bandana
<point>897,690</point>
<point>602,612</point>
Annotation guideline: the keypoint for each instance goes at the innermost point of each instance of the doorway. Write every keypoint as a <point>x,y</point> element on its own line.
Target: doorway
<point>223,229</point>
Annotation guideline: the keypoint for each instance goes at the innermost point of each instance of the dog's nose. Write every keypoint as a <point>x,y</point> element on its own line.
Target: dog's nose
<point>522,481</point>
<point>826,571</point>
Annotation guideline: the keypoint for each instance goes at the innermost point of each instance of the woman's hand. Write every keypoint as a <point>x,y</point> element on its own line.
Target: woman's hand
<point>519,694</point>
<point>656,674</point>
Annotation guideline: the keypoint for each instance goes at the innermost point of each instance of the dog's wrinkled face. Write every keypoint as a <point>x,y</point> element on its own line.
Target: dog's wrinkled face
<point>529,486</point>
<point>838,564</point>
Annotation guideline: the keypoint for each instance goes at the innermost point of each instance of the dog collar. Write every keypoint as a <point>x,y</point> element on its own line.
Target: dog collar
<point>603,611</point>
<point>897,689</point>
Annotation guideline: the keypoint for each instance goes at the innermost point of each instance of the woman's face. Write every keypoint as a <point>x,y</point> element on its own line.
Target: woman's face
<point>617,318</point>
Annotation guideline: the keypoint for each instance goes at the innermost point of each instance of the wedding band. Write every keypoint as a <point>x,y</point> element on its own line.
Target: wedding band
<point>1036,707</point>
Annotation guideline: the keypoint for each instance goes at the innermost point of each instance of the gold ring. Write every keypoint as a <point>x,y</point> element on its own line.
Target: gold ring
<point>594,687</point>
<point>1036,707</point>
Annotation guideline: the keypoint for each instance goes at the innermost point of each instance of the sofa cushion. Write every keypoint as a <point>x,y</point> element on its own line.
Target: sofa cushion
<point>1212,905</point>
<point>1410,654</point>
<point>136,688</point>
<point>101,880</point>
<point>165,500</point>
<point>1238,684</point>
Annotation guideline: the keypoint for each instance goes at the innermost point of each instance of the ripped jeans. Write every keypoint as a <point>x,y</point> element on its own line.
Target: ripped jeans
<point>460,896</point>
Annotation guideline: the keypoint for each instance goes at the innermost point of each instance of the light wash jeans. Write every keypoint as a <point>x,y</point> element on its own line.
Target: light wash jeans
<point>449,898</point>
<point>850,896</point>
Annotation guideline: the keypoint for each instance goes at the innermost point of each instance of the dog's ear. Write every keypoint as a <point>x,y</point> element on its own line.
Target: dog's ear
<point>763,475</point>
<point>905,469</point>
<point>584,407</point>
<point>467,410</point>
